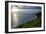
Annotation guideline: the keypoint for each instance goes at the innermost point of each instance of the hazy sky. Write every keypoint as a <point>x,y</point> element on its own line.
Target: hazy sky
<point>26,9</point>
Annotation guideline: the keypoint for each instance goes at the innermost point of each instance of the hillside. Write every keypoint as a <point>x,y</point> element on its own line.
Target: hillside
<point>33,23</point>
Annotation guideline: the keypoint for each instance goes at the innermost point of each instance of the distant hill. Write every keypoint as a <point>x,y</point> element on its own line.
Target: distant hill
<point>38,14</point>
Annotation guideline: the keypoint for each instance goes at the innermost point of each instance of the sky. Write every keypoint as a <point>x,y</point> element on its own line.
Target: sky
<point>26,9</point>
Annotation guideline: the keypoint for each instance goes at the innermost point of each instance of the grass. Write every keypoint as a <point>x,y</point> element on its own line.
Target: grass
<point>31,24</point>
